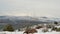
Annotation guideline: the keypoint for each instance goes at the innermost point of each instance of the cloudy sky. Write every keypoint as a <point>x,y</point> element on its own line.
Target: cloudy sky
<point>49,8</point>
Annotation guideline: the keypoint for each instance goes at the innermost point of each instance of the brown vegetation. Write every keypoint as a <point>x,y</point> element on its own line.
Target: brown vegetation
<point>30,31</point>
<point>38,27</point>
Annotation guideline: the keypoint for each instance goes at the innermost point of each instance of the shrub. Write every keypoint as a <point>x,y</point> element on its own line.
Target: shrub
<point>54,28</point>
<point>49,26</point>
<point>38,27</point>
<point>58,29</point>
<point>55,22</point>
<point>19,30</point>
<point>45,30</point>
<point>30,31</point>
<point>8,28</point>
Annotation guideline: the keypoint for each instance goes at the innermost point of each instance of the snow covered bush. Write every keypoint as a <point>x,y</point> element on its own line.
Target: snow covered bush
<point>49,26</point>
<point>45,30</point>
<point>54,28</point>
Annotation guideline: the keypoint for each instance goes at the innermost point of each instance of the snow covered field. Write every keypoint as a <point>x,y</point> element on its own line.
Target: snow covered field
<point>11,32</point>
<point>39,32</point>
<point>34,33</point>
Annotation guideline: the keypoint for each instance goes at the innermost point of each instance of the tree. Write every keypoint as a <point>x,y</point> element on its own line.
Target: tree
<point>55,22</point>
<point>8,27</point>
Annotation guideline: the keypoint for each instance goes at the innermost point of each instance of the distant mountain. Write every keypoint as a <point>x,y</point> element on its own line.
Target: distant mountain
<point>22,21</point>
<point>52,19</point>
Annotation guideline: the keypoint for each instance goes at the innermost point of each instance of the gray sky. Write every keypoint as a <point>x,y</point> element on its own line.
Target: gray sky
<point>49,8</point>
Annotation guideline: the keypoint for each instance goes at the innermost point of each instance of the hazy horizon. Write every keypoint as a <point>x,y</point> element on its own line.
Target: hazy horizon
<point>50,8</point>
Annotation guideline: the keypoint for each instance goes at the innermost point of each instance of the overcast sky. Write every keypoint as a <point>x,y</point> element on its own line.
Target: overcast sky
<point>49,8</point>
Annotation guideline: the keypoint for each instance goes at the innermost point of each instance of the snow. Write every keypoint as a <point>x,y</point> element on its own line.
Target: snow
<point>57,26</point>
<point>50,32</point>
<point>11,32</point>
<point>53,32</point>
<point>39,32</point>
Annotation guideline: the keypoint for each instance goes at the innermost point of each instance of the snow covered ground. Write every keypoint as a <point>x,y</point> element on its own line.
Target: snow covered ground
<point>34,33</point>
<point>51,32</point>
<point>11,32</point>
<point>39,32</point>
<point>48,33</point>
